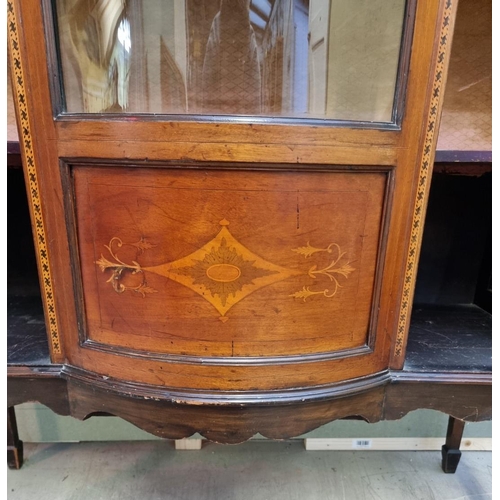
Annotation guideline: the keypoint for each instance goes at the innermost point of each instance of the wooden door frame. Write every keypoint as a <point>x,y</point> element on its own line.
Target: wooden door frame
<point>408,151</point>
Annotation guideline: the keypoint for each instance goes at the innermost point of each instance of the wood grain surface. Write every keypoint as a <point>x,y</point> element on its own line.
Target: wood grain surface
<point>299,251</point>
<point>367,208</point>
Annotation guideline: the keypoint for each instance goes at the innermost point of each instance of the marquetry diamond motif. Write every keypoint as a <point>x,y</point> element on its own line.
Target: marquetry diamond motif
<point>223,271</point>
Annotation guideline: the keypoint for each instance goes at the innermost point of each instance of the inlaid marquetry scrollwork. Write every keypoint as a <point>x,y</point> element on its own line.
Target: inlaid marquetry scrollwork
<point>307,292</point>
<point>223,271</point>
<point>118,267</point>
<point>332,271</point>
<point>309,250</point>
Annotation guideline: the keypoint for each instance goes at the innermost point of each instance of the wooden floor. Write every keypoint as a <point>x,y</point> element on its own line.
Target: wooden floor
<point>255,470</point>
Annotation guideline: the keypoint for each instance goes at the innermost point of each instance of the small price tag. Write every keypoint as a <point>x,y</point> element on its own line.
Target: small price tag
<point>363,444</point>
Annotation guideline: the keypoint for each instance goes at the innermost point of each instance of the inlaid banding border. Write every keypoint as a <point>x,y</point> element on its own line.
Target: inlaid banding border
<point>424,175</point>
<point>31,177</point>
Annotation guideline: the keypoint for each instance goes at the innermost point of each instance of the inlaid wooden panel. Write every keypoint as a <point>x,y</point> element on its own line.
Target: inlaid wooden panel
<point>207,262</point>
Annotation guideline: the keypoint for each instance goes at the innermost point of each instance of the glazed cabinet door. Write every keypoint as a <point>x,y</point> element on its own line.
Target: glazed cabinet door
<point>229,195</point>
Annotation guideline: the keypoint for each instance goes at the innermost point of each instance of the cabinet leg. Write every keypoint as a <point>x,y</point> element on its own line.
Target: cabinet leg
<point>450,451</point>
<point>14,444</point>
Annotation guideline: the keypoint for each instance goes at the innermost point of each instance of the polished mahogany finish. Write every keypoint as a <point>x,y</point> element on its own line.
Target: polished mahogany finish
<point>230,275</point>
<point>288,255</point>
<point>352,194</point>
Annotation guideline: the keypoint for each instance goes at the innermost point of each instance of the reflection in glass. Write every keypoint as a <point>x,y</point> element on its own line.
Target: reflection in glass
<point>335,59</point>
<point>231,68</point>
<point>100,41</point>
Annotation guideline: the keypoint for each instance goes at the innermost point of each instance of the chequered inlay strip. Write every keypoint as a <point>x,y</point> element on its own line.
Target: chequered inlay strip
<point>423,180</point>
<point>34,192</point>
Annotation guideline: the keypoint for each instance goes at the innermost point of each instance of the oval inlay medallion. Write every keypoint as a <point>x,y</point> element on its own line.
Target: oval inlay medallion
<point>223,273</point>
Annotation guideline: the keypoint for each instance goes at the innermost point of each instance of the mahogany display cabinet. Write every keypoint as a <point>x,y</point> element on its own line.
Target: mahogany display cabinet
<point>228,201</point>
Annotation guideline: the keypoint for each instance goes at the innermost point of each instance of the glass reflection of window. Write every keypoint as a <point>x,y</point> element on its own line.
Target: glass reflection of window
<point>99,33</point>
<point>333,59</point>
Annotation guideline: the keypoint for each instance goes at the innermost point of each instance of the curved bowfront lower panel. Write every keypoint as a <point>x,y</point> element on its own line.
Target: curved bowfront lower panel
<point>189,278</point>
<point>227,398</point>
<point>225,417</point>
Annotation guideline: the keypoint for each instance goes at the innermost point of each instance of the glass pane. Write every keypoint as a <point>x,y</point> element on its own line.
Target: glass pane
<point>334,59</point>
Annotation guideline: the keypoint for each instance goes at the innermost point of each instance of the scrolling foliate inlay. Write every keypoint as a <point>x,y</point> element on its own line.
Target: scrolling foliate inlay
<point>223,271</point>
<point>333,271</point>
<point>118,267</point>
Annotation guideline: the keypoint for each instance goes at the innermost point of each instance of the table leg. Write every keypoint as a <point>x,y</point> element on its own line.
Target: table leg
<point>451,450</point>
<point>14,444</point>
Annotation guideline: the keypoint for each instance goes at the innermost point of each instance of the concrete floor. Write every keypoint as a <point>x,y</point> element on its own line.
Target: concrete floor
<point>143,470</point>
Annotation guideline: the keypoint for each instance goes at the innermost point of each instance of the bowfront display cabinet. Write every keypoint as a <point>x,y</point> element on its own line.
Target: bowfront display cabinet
<point>228,201</point>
